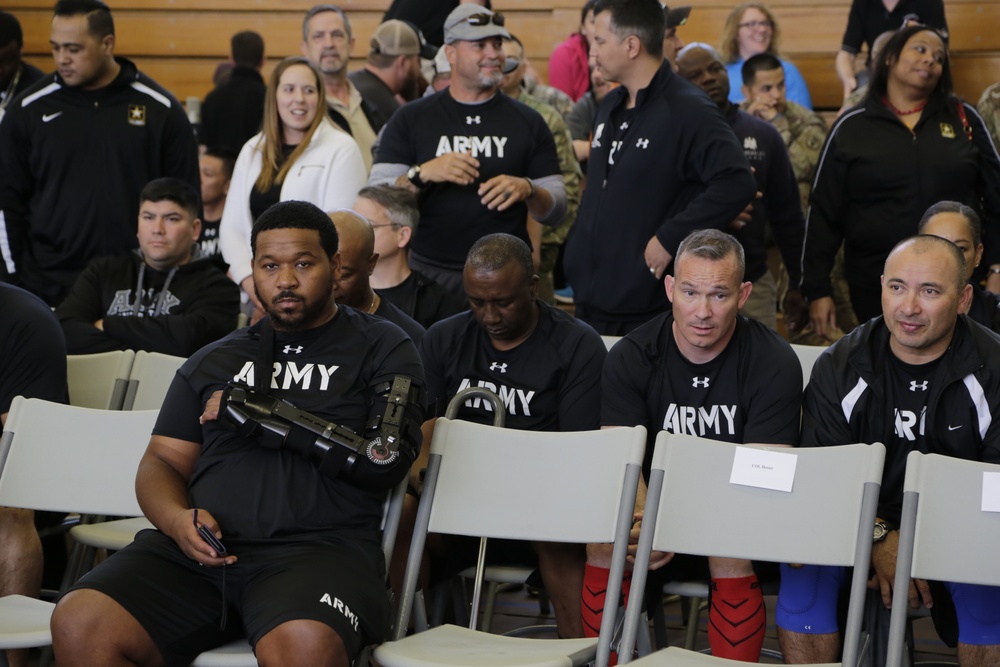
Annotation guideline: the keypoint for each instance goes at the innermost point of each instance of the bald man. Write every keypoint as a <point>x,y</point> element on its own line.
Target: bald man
<point>920,377</point>
<point>357,261</point>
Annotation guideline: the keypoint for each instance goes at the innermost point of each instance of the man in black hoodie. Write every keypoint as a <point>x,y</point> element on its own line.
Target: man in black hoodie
<point>165,297</point>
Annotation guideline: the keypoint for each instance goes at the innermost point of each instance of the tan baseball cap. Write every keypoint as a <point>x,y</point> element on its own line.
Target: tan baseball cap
<point>396,38</point>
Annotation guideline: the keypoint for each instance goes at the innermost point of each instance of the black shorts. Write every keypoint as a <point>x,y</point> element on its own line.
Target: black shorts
<point>180,603</point>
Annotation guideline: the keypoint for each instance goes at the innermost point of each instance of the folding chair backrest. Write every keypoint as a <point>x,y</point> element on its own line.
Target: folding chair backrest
<point>152,373</point>
<point>701,512</point>
<point>530,485</point>
<point>98,380</point>
<point>826,518</point>
<point>65,458</point>
<point>488,481</point>
<point>948,501</point>
<point>943,504</point>
<point>807,354</point>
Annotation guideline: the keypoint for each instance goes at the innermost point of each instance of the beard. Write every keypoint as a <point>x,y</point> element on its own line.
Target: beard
<point>305,318</point>
<point>490,80</point>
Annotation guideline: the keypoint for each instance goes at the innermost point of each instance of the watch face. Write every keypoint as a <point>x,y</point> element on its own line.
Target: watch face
<point>880,532</point>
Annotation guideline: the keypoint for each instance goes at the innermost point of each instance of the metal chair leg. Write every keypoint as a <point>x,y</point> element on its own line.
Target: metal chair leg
<point>694,616</point>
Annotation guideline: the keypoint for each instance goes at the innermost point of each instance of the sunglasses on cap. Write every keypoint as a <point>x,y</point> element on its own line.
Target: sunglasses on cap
<point>495,18</point>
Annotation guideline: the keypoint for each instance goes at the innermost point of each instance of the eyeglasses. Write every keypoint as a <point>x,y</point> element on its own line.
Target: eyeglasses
<point>387,224</point>
<point>756,24</point>
<point>509,65</point>
<point>496,18</point>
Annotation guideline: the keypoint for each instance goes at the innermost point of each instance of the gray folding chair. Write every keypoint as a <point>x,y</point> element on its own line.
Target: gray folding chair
<point>807,354</point>
<point>693,508</point>
<point>64,458</point>
<point>697,591</point>
<point>239,654</point>
<point>942,507</point>
<point>145,389</point>
<point>98,380</point>
<point>484,481</point>
<point>152,373</point>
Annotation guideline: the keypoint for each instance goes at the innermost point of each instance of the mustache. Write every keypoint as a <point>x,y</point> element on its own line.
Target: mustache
<point>287,294</point>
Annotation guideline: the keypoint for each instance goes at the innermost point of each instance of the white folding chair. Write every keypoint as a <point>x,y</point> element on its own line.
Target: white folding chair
<point>692,507</point>
<point>98,380</point>
<point>239,654</point>
<point>152,373</point>
<point>945,500</point>
<point>490,482</point>
<point>697,591</point>
<point>145,389</point>
<point>64,458</point>
<point>807,354</point>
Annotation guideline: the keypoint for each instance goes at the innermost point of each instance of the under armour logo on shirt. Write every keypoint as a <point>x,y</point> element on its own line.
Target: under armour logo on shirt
<point>288,349</point>
<point>914,385</point>
<point>695,382</point>
<point>642,143</point>
<point>623,126</point>
<point>497,366</point>
<point>469,120</point>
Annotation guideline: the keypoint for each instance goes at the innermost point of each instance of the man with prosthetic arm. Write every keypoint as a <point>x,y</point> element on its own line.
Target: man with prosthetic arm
<point>287,469</point>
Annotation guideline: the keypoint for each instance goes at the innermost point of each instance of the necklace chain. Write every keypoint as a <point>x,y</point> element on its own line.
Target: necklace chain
<point>900,112</point>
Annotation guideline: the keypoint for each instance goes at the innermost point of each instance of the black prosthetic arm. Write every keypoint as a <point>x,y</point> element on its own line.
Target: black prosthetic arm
<point>337,451</point>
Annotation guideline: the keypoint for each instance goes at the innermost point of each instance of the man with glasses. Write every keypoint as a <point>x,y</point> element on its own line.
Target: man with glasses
<point>394,214</point>
<point>357,260</point>
<point>480,161</point>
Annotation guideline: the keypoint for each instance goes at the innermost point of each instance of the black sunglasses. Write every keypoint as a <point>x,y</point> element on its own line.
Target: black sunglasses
<point>495,18</point>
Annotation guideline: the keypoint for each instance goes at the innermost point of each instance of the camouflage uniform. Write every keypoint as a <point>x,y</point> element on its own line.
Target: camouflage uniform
<point>856,98</point>
<point>989,109</point>
<point>554,97</point>
<point>553,236</point>
<point>804,134</point>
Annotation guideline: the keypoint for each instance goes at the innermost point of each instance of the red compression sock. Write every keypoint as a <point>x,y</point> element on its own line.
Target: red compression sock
<point>595,590</point>
<point>737,619</point>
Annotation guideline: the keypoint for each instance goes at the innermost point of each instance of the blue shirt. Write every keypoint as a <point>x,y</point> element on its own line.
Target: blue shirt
<point>796,89</point>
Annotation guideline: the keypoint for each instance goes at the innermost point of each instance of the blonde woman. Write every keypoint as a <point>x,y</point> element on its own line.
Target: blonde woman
<point>752,29</point>
<point>299,155</point>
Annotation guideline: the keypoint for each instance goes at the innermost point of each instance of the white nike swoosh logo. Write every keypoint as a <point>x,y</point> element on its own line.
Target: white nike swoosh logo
<point>955,428</point>
<point>49,116</point>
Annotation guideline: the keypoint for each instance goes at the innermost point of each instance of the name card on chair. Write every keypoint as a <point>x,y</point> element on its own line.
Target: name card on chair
<point>764,469</point>
<point>991,491</point>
